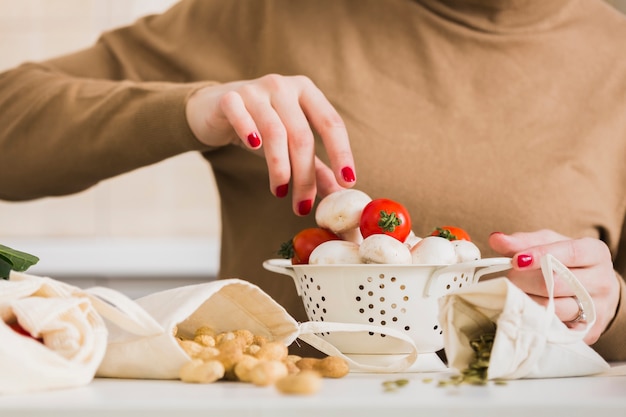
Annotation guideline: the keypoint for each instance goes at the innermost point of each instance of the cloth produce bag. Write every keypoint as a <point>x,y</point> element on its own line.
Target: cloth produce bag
<point>144,345</point>
<point>530,340</point>
<point>69,336</point>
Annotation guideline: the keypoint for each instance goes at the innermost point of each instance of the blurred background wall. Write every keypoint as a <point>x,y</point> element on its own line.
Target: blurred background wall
<point>153,228</point>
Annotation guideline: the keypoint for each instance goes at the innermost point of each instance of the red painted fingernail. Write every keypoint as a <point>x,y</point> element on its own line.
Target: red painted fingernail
<point>495,233</point>
<point>304,207</point>
<point>348,174</point>
<point>254,140</point>
<point>282,190</point>
<point>524,260</point>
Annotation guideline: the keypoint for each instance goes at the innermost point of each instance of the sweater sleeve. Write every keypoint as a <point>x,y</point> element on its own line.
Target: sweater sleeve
<point>70,122</point>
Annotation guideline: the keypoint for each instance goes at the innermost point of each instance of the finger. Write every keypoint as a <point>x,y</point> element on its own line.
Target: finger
<point>301,148</point>
<point>508,245</point>
<point>565,308</point>
<point>326,181</point>
<point>573,253</point>
<point>275,146</point>
<point>531,282</point>
<point>237,114</point>
<point>331,128</point>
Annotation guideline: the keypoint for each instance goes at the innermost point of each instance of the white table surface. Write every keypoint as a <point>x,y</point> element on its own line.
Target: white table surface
<point>357,394</point>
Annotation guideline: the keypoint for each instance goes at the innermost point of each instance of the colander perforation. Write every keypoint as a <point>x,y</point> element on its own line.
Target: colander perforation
<point>314,300</point>
<point>379,308</point>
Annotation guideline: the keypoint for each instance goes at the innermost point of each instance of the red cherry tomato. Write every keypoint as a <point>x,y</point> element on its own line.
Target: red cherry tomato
<point>300,247</point>
<point>451,233</point>
<point>384,216</point>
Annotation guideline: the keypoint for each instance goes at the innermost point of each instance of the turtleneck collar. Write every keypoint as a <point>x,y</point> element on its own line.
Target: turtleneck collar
<point>500,15</point>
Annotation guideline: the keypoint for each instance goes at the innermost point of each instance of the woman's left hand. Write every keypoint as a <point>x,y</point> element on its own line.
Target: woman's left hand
<point>589,259</point>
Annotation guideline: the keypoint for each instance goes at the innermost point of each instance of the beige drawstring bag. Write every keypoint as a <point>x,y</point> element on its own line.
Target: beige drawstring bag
<point>73,335</point>
<point>144,345</point>
<point>530,340</point>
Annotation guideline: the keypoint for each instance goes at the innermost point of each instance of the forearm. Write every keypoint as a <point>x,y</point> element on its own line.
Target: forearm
<point>60,134</point>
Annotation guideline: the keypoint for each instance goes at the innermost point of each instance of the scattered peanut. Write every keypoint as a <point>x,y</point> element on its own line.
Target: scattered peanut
<point>240,355</point>
<point>200,371</point>
<point>328,367</point>
<point>267,372</point>
<point>302,383</point>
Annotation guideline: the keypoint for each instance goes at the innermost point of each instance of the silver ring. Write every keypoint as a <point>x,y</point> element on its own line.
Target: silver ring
<point>582,316</point>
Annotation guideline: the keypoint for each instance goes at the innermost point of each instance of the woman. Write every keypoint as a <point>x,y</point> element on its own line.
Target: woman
<point>492,115</point>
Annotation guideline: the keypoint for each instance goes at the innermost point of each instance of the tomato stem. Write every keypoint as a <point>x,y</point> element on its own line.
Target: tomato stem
<point>446,234</point>
<point>388,221</point>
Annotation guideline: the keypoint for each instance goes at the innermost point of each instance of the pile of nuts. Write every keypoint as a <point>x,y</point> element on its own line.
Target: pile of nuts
<point>240,355</point>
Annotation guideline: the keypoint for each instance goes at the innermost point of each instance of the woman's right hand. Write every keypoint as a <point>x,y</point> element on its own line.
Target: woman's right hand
<point>275,116</point>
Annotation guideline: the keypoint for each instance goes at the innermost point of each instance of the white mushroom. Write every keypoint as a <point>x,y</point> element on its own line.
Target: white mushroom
<point>411,240</point>
<point>384,249</point>
<point>433,250</point>
<point>352,235</point>
<point>340,211</point>
<point>335,252</point>
<point>465,250</point>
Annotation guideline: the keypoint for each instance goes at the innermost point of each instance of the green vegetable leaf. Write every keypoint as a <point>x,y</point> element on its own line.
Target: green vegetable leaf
<point>11,259</point>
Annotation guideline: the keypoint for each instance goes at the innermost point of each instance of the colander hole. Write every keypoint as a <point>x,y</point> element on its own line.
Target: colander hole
<point>382,323</point>
<point>455,278</point>
<point>436,327</point>
<point>382,299</point>
<point>318,288</point>
<point>381,286</point>
<point>403,310</point>
<point>393,279</point>
<point>324,310</point>
<point>460,284</point>
<point>407,328</point>
<point>381,276</point>
<point>370,293</point>
<point>383,335</point>
<point>371,320</point>
<point>371,306</point>
<point>317,305</point>
<point>361,287</point>
<point>405,298</point>
<point>323,298</point>
<point>311,279</point>
<point>371,333</point>
<point>361,310</point>
<point>394,319</point>
<point>448,287</point>
<point>393,305</point>
<point>369,279</point>
<point>382,312</point>
<point>403,287</point>
<point>310,299</point>
<point>358,298</point>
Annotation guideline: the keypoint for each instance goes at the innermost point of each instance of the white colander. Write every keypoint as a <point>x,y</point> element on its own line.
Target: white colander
<point>398,297</point>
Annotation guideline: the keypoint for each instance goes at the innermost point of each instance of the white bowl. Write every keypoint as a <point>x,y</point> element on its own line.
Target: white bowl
<point>401,297</point>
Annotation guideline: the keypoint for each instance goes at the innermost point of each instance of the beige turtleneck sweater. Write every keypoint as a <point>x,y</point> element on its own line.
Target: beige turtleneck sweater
<point>493,115</point>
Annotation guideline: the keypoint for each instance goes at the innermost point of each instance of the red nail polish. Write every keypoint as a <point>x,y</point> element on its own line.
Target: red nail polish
<point>524,260</point>
<point>282,190</point>
<point>254,140</point>
<point>348,174</point>
<point>304,207</point>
